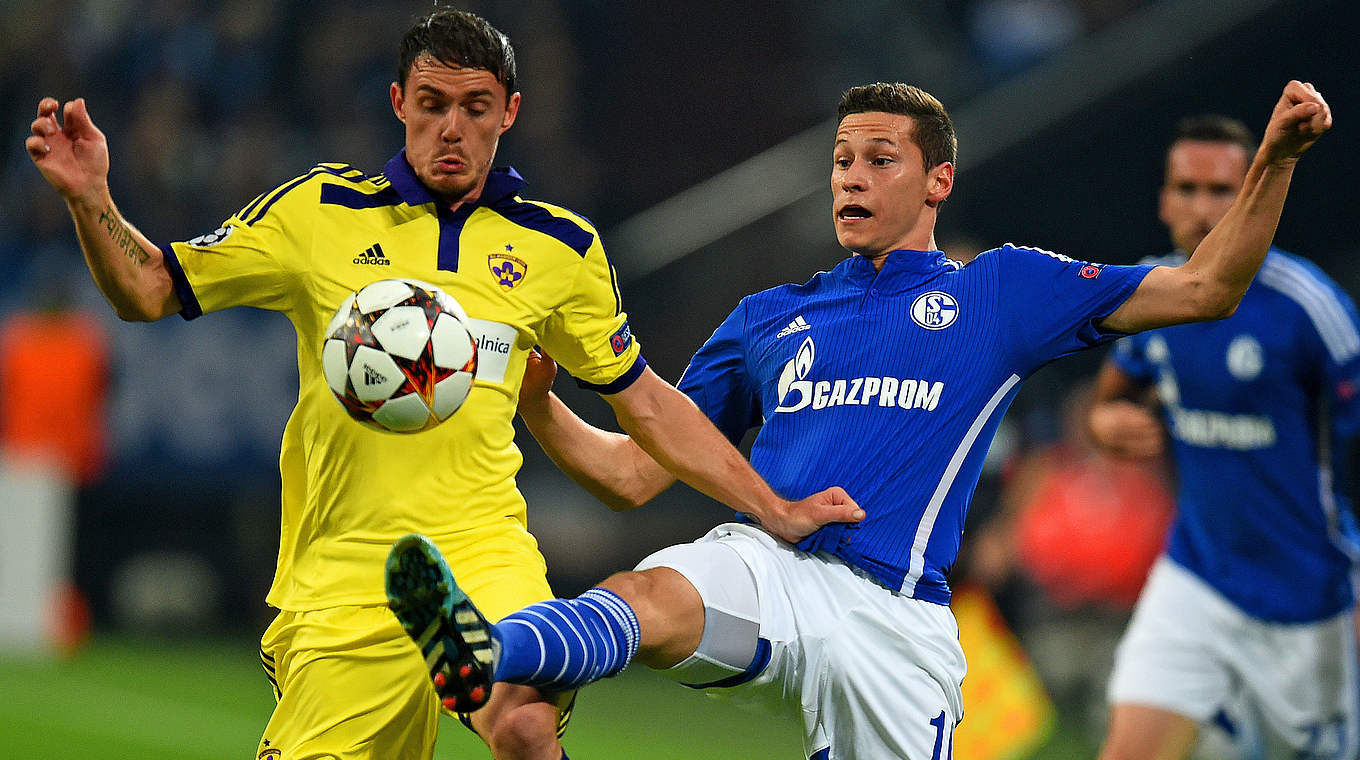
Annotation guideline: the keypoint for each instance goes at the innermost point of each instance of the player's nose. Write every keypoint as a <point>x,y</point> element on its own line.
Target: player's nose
<point>853,178</point>
<point>1208,208</point>
<point>452,128</point>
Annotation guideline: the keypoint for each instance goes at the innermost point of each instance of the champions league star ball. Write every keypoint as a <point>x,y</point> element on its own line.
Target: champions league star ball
<point>399,357</point>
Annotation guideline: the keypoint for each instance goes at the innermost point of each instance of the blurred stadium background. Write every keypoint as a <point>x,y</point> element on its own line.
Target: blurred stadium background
<point>695,136</point>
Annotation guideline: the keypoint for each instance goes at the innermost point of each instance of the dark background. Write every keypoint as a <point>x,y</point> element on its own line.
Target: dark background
<point>207,105</point>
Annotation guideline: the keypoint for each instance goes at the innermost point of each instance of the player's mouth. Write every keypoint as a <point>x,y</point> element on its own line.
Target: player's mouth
<point>451,164</point>
<point>852,212</point>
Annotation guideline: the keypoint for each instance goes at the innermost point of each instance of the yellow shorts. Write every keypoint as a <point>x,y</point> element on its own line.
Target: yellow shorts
<point>351,684</point>
<point>501,571</point>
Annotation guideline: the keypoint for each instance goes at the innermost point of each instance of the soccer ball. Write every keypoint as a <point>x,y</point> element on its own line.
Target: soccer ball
<point>399,356</point>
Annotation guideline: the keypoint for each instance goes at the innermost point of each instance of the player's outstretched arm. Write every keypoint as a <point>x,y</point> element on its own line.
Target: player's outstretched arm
<point>608,465</point>
<point>1211,284</point>
<point>669,427</point>
<point>1118,423</point>
<point>73,157</point>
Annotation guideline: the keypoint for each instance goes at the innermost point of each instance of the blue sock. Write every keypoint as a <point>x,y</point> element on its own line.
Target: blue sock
<point>562,644</point>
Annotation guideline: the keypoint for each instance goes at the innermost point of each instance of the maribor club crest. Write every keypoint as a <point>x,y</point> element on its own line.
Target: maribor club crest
<point>508,270</point>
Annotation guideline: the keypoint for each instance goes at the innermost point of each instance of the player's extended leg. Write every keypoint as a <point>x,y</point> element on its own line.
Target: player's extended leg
<point>453,636</point>
<point>1142,732</point>
<point>557,645</point>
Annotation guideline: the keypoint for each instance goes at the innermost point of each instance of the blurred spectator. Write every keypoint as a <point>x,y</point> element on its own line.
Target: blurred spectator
<point>1066,551</point>
<point>1087,525</point>
<point>1082,525</point>
<point>53,382</point>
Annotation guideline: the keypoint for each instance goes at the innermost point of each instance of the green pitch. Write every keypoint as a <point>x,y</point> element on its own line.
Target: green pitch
<point>123,698</point>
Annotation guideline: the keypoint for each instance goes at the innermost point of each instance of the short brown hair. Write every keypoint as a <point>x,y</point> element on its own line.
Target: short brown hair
<point>458,39</point>
<point>932,130</point>
<point>1214,128</point>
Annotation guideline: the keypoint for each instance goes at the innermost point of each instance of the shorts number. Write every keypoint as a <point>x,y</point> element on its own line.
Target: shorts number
<point>1325,740</point>
<point>939,723</point>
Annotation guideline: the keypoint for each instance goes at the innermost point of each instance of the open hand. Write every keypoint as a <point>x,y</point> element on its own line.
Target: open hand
<point>1126,429</point>
<point>800,518</point>
<point>73,156</point>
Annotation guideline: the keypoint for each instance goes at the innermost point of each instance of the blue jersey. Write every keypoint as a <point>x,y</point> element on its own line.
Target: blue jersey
<point>1260,407</point>
<point>891,384</point>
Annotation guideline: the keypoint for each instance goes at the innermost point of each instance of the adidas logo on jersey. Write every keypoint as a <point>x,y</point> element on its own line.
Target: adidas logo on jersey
<point>797,325</point>
<point>373,257</point>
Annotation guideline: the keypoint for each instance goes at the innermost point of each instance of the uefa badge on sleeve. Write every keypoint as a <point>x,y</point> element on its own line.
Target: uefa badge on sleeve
<point>1090,271</point>
<point>621,339</point>
<point>1346,390</point>
<point>213,238</point>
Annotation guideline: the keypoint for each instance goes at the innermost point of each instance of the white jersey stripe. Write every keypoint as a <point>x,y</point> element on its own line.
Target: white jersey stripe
<point>1345,342</point>
<point>1329,322</point>
<point>1321,305</point>
<point>1171,260</point>
<point>1327,493</point>
<point>1058,256</point>
<point>923,530</point>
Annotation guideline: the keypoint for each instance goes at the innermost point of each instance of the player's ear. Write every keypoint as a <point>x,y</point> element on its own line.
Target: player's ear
<point>398,100</point>
<point>511,111</point>
<point>1163,204</point>
<point>939,183</point>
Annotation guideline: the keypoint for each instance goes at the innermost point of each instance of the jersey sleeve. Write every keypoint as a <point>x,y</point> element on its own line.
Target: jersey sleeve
<point>719,381</point>
<point>1334,320</point>
<point>589,335</point>
<point>1130,356</point>
<point>1055,303</point>
<point>252,258</point>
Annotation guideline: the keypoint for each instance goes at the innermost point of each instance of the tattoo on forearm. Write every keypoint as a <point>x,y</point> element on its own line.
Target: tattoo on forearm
<point>122,236</point>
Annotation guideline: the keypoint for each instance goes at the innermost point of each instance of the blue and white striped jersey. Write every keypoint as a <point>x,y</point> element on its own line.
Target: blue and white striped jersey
<point>891,384</point>
<point>1260,407</point>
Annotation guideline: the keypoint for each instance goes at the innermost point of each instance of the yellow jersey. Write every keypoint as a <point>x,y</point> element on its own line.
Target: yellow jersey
<point>527,273</point>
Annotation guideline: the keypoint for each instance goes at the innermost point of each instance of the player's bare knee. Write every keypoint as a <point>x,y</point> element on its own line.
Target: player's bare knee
<point>1136,750</point>
<point>669,610</point>
<point>632,586</point>
<point>1113,750</point>
<point>1144,733</point>
<point>644,592</point>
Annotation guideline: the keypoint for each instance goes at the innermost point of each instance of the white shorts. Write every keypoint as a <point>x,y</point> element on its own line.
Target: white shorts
<point>871,673</point>
<point>1192,652</point>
